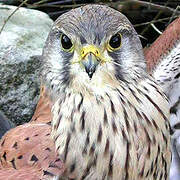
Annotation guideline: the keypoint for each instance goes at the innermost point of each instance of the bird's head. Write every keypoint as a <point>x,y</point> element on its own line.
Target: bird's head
<point>93,46</point>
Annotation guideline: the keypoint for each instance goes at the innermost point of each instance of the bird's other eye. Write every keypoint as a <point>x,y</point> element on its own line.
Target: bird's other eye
<point>66,43</point>
<point>115,42</point>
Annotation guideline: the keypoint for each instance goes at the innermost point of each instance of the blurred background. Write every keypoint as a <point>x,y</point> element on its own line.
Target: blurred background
<point>149,17</point>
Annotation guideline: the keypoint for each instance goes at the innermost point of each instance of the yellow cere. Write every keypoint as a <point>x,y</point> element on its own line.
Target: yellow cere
<point>94,50</point>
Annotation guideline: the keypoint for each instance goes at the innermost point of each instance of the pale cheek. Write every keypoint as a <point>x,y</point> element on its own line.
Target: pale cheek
<point>76,58</point>
<point>77,69</point>
<point>108,66</point>
<point>56,61</point>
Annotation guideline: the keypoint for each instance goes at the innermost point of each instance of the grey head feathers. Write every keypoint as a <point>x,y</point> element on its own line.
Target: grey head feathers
<point>92,24</point>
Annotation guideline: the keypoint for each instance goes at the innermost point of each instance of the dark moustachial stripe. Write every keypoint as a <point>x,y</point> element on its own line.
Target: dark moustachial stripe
<point>66,68</point>
<point>118,71</point>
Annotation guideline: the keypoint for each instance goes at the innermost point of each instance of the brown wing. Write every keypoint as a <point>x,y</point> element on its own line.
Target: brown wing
<point>166,42</point>
<point>43,108</point>
<point>29,146</point>
<point>163,62</point>
<point>26,173</point>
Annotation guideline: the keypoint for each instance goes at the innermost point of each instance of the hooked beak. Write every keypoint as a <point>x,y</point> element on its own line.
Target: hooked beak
<point>90,59</point>
<point>90,63</point>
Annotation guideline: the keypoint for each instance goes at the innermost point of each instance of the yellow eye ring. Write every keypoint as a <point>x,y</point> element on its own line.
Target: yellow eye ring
<point>66,43</point>
<point>114,42</point>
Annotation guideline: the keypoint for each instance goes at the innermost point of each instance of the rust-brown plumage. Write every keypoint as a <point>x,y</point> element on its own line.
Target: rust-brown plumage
<point>27,152</point>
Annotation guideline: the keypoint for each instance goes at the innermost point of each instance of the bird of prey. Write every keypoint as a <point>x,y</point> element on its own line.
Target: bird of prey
<point>110,119</point>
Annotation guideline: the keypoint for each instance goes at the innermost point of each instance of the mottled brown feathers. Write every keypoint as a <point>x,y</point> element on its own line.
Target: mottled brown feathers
<point>163,45</point>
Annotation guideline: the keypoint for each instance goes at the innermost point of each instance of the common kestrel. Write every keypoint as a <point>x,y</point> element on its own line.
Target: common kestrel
<point>110,119</point>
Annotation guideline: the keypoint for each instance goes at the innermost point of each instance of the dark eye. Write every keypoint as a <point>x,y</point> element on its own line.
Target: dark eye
<point>66,42</point>
<point>115,41</point>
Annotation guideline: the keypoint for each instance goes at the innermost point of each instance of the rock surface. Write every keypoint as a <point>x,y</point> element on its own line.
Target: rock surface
<point>21,44</point>
<point>5,124</point>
